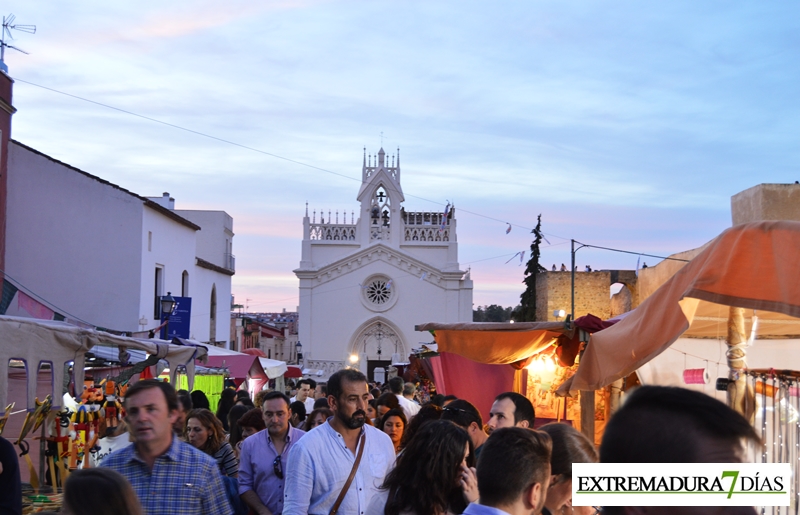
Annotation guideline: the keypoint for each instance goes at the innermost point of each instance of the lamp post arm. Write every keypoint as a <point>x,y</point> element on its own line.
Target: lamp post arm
<point>572,273</point>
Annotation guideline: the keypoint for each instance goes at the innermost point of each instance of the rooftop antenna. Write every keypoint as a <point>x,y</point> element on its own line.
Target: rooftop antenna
<point>8,26</point>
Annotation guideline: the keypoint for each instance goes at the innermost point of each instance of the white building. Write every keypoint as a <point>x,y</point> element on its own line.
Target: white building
<point>97,253</point>
<point>366,283</point>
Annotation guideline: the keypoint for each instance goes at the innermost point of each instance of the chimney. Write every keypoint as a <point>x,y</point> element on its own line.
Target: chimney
<point>6,110</point>
<point>168,201</point>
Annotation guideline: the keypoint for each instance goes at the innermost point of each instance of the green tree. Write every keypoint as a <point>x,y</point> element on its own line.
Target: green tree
<point>527,307</point>
<point>492,313</point>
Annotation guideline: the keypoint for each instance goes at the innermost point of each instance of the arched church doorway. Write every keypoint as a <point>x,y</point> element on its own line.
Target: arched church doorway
<point>377,344</point>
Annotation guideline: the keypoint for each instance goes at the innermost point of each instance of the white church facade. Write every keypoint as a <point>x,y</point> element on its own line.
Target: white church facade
<point>366,283</point>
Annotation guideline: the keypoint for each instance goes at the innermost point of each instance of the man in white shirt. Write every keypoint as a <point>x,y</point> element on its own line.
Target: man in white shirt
<point>410,408</point>
<point>322,460</point>
<point>304,389</point>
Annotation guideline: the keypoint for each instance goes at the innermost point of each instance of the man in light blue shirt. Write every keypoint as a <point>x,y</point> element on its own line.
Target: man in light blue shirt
<point>321,461</point>
<point>513,473</point>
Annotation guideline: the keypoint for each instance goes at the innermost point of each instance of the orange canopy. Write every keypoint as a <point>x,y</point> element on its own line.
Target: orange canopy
<point>497,343</point>
<point>753,266</point>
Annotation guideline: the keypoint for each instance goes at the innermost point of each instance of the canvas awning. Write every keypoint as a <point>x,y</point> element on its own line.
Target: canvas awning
<point>273,367</point>
<point>34,341</point>
<point>506,343</point>
<point>752,266</point>
<point>240,366</point>
<point>293,371</point>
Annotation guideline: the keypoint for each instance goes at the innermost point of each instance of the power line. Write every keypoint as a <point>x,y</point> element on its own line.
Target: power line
<point>253,149</point>
<point>629,252</point>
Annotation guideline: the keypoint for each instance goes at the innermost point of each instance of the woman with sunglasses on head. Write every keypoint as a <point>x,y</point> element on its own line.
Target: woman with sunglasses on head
<point>204,432</point>
<point>434,474</point>
<point>569,446</point>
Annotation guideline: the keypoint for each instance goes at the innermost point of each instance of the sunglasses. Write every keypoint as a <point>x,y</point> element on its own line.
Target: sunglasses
<point>277,467</point>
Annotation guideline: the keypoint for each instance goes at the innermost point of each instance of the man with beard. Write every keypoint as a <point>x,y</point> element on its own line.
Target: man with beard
<point>323,460</point>
<point>510,409</point>
<point>263,458</point>
<point>513,473</point>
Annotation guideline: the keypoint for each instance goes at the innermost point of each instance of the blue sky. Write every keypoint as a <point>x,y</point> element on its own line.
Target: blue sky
<point>626,124</point>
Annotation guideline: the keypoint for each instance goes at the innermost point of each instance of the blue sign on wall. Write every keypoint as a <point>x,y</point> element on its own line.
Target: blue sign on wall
<point>179,320</point>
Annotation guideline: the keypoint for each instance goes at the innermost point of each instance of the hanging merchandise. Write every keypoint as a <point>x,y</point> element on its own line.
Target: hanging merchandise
<point>753,331</point>
<point>33,420</point>
<point>777,415</point>
<point>112,409</point>
<point>4,418</point>
<point>696,376</point>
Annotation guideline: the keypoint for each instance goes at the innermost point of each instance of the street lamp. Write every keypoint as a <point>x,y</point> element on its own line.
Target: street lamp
<point>167,307</point>
<point>299,351</point>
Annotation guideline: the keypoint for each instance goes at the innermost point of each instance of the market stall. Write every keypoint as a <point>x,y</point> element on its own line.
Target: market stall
<point>241,367</point>
<point>739,296</point>
<point>751,268</point>
<point>42,359</point>
<point>37,342</point>
<point>524,357</point>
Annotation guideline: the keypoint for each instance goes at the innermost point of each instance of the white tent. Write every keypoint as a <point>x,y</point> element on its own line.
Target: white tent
<point>34,342</point>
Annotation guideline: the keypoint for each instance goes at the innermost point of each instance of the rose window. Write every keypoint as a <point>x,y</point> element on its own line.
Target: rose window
<point>379,291</point>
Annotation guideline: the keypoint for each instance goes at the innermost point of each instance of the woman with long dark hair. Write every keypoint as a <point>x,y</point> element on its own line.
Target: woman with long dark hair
<point>199,400</point>
<point>226,401</point>
<point>99,491</point>
<point>569,446</point>
<point>235,434</point>
<point>434,474</point>
<point>426,413</point>
<point>393,423</point>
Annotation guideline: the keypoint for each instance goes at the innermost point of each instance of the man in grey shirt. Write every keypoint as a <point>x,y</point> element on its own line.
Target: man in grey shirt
<point>321,461</point>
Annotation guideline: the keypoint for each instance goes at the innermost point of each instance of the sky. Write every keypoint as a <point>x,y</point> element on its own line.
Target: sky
<point>624,124</point>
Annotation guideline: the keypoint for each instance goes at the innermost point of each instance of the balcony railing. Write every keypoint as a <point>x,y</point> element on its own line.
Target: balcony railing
<point>230,262</point>
<point>333,232</point>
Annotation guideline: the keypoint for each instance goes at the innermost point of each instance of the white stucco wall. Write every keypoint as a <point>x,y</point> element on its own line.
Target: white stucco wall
<point>215,239</point>
<point>202,284</point>
<point>325,252</point>
<point>337,311</point>
<point>436,255</point>
<point>90,248</point>
<point>173,249</point>
<point>73,240</point>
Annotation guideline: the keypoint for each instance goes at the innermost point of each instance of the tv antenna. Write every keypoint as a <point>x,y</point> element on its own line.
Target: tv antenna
<point>8,26</point>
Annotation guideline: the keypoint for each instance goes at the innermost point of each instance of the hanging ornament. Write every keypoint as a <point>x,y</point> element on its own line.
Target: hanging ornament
<point>695,376</point>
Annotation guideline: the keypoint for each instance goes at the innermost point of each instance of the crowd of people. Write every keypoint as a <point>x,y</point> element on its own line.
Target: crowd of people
<point>324,451</point>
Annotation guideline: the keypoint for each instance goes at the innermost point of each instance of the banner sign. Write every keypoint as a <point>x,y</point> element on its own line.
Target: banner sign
<point>179,320</point>
<point>681,484</point>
